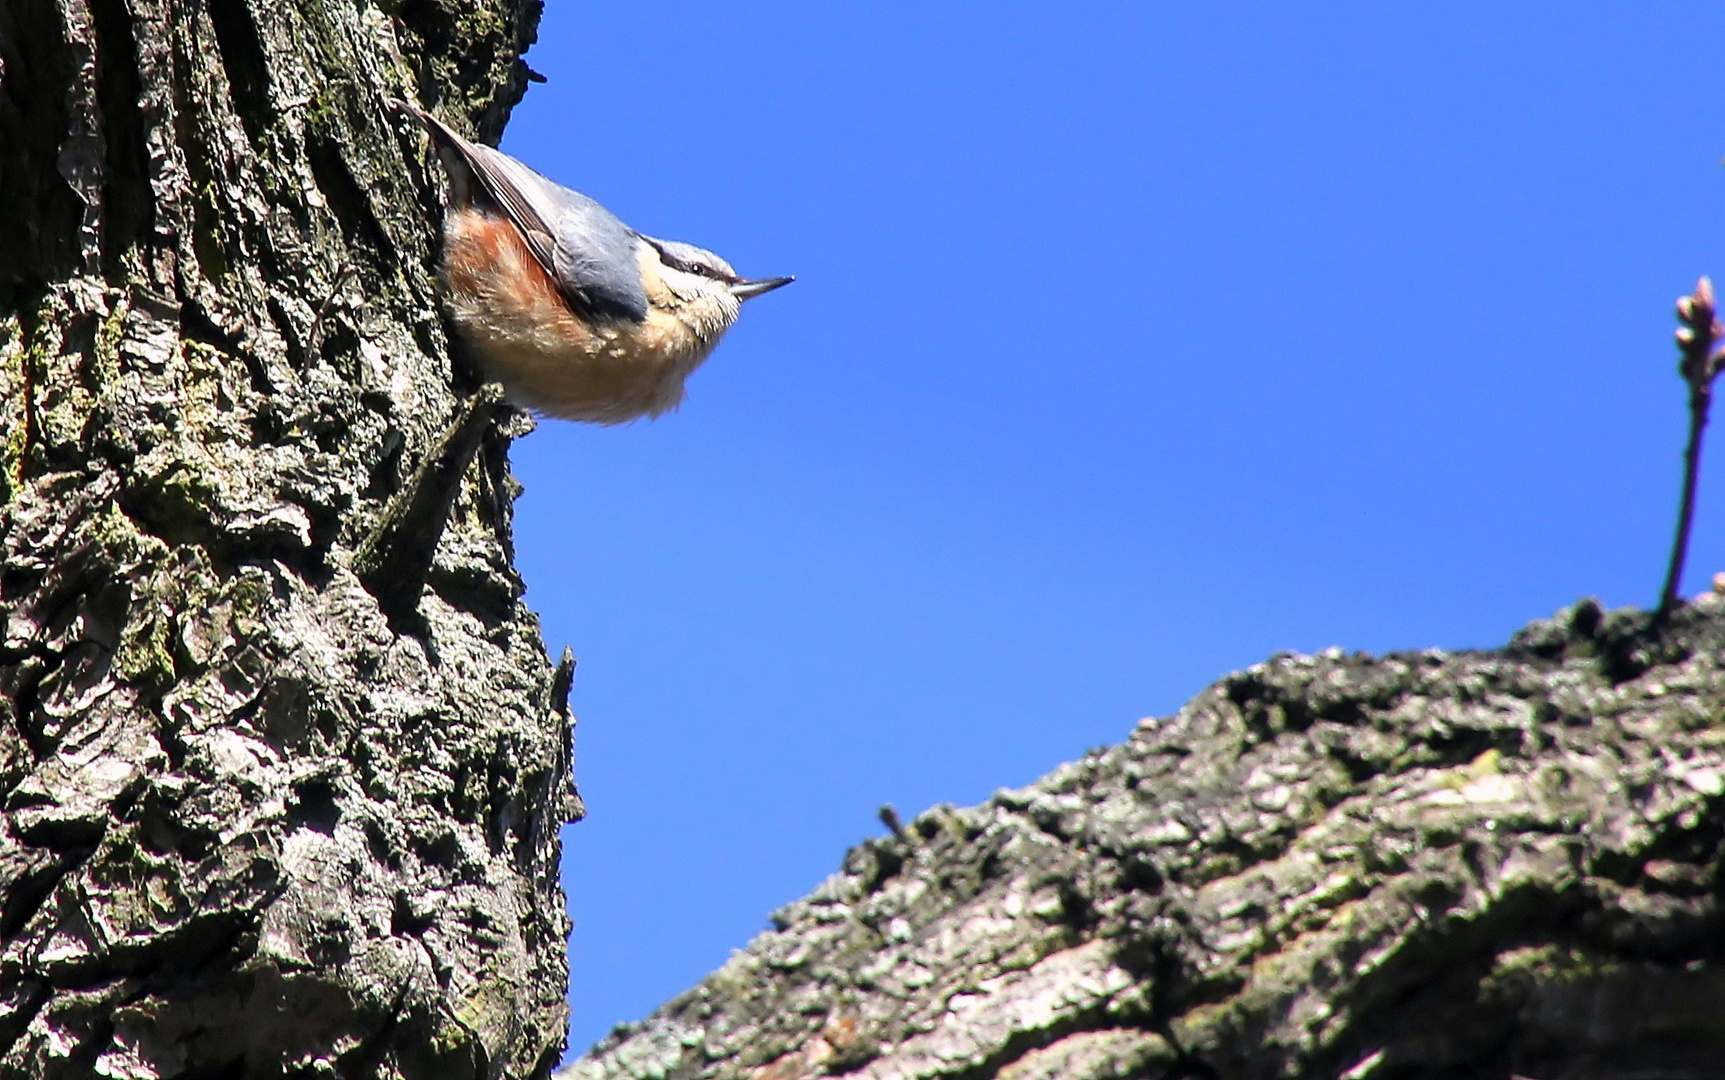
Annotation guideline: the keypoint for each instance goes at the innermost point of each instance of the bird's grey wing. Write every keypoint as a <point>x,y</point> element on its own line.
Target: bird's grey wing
<point>597,253</point>
<point>582,246</point>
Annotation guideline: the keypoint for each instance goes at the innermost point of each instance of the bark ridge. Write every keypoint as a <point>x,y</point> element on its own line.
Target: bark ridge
<point>1479,865</point>
<point>251,822</point>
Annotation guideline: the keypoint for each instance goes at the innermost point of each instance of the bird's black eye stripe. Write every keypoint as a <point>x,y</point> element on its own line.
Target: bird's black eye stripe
<point>698,268</point>
<point>692,267</point>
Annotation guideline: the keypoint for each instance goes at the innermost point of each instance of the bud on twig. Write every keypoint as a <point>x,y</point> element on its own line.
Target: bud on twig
<point>1698,335</point>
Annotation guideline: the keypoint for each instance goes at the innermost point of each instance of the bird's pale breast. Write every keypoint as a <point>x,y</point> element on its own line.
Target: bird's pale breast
<point>548,358</point>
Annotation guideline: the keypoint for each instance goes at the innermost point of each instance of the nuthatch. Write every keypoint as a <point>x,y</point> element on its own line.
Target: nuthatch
<point>577,315</point>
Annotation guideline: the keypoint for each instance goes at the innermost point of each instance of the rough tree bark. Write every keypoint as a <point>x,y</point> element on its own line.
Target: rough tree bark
<point>255,820</point>
<point>1474,865</point>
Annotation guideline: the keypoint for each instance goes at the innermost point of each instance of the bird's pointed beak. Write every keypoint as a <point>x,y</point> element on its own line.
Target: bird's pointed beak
<point>748,290</point>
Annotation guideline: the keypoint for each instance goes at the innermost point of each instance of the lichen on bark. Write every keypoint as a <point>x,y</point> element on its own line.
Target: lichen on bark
<point>250,824</point>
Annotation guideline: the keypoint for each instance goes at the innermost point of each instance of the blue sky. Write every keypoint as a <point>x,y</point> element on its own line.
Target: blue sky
<point>1131,343</point>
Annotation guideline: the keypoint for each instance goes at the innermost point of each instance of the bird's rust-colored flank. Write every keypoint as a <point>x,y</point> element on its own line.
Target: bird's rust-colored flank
<point>552,360</point>
<point>479,246</point>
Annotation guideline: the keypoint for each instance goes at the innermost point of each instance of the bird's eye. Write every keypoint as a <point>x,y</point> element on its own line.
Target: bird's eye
<point>705,271</point>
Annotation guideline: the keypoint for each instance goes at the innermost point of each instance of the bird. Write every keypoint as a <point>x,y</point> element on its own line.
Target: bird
<point>579,316</point>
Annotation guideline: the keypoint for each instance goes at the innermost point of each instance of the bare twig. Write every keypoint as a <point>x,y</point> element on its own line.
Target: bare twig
<point>1700,365</point>
<point>394,560</point>
<point>314,340</point>
<point>889,818</point>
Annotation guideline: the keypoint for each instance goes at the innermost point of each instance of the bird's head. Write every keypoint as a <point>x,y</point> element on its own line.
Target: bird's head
<point>698,287</point>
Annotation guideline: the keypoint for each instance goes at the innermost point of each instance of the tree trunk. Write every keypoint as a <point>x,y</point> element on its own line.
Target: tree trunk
<point>1478,865</point>
<point>270,807</point>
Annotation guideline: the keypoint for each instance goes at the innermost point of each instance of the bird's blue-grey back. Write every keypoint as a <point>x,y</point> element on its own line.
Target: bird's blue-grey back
<point>583,246</point>
<point>599,253</point>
